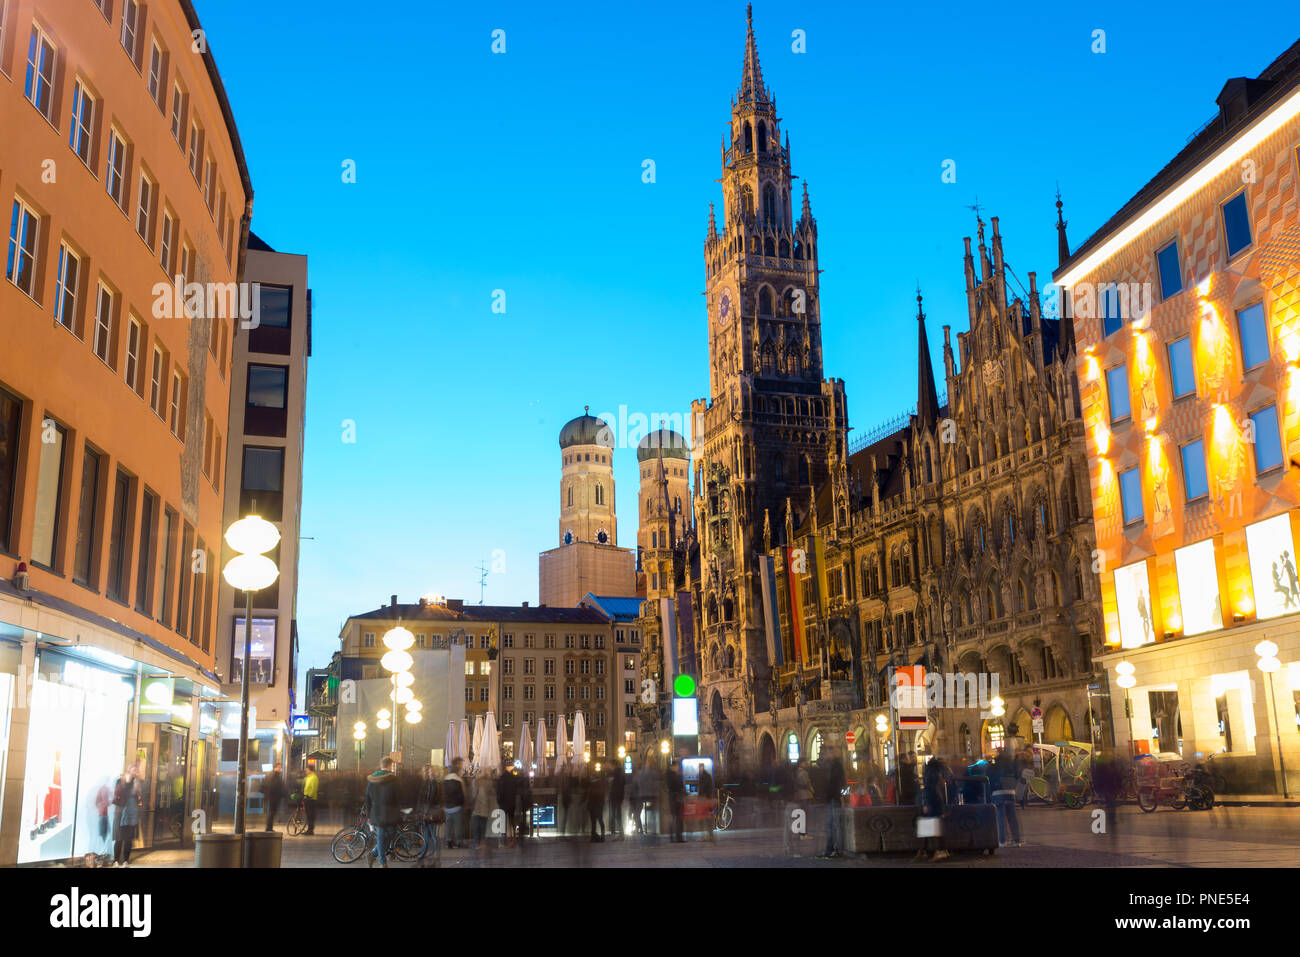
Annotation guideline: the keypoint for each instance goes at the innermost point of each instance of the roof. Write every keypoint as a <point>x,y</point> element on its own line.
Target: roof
<point>586,430</point>
<point>1277,80</point>
<point>256,242</point>
<point>214,75</point>
<point>618,607</point>
<point>672,443</point>
<point>426,612</point>
<point>540,614</point>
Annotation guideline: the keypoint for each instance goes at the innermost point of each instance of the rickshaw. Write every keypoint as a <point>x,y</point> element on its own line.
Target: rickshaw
<point>1164,778</point>
<point>1066,775</point>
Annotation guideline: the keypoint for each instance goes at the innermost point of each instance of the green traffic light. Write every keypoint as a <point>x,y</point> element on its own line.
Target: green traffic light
<point>684,686</point>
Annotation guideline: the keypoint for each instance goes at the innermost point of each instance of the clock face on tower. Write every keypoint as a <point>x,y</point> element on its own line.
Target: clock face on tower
<point>603,537</point>
<point>568,537</point>
<point>724,308</point>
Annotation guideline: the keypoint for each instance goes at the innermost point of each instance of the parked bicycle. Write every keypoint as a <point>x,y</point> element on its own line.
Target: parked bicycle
<point>353,843</point>
<point>726,811</point>
<point>298,817</point>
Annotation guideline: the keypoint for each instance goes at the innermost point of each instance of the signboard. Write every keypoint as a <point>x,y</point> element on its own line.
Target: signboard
<point>302,727</point>
<point>909,698</point>
<point>849,737</point>
<point>1038,725</point>
<point>157,696</point>
<point>1036,713</point>
<point>686,719</point>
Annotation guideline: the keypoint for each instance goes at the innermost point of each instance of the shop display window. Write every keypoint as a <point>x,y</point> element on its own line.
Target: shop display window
<point>1198,588</point>
<point>261,652</point>
<point>1273,567</point>
<point>1133,596</point>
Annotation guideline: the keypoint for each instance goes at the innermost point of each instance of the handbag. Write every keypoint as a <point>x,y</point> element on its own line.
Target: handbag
<point>929,827</point>
<point>436,815</point>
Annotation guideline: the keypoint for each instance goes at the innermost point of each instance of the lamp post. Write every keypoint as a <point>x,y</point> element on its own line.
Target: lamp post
<point>383,724</point>
<point>249,571</point>
<point>398,660</point>
<point>1124,678</point>
<point>1269,663</point>
<point>359,736</point>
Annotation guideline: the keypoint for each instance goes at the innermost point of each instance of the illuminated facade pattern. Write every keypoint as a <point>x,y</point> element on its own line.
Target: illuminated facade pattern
<point>1190,378</point>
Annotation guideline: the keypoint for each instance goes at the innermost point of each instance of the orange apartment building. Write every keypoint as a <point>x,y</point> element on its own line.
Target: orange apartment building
<point>120,169</point>
<point>1187,310</point>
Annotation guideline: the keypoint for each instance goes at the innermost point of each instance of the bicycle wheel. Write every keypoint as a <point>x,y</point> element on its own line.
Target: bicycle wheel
<point>296,824</point>
<point>725,818</point>
<point>409,844</point>
<point>350,845</point>
<point>1147,799</point>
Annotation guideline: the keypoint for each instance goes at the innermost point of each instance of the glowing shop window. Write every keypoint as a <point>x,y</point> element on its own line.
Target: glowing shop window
<point>1198,588</point>
<point>1133,596</point>
<point>792,747</point>
<point>997,734</point>
<point>1272,567</point>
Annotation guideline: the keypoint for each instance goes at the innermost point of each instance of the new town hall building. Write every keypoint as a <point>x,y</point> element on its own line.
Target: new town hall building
<point>960,540</point>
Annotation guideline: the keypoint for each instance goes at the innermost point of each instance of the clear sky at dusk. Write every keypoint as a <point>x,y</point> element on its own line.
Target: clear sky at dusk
<point>522,172</point>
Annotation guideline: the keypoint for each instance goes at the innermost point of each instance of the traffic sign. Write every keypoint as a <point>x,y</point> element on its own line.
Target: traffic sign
<point>1036,713</point>
<point>848,736</point>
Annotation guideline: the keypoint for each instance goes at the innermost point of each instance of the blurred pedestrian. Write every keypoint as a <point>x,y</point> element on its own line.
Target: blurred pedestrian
<point>130,801</point>
<point>836,782</point>
<point>676,788</point>
<point>380,807</point>
<point>272,795</point>
<point>484,798</point>
<point>596,805</point>
<point>617,786</point>
<point>1003,779</point>
<point>507,798</point>
<point>431,813</point>
<point>454,795</point>
<point>310,792</point>
<point>934,800</point>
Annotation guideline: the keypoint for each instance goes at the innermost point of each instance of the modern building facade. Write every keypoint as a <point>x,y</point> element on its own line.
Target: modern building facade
<point>123,176</point>
<point>623,614</point>
<point>263,474</point>
<point>588,558</point>
<point>1187,311</point>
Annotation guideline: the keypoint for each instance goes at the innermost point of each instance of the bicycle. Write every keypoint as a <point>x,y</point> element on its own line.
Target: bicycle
<point>725,812</point>
<point>353,843</point>
<point>297,823</point>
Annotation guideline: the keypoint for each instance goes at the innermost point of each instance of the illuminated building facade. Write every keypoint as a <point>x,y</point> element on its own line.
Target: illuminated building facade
<point>1187,310</point>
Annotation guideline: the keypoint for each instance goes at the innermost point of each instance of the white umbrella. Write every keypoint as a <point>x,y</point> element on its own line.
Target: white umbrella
<point>525,749</point>
<point>579,739</point>
<point>478,740</point>
<point>541,747</point>
<point>491,759</point>
<point>462,741</point>
<point>561,744</point>
<point>449,751</point>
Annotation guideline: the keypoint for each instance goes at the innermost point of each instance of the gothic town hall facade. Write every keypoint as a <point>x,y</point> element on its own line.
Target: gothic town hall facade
<point>961,539</point>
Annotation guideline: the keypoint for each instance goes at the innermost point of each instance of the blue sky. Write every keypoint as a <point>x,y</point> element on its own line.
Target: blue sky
<point>522,172</point>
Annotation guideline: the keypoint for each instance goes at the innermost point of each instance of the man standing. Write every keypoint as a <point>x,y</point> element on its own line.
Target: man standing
<point>676,799</point>
<point>835,784</point>
<point>273,794</point>
<point>380,807</point>
<point>310,790</point>
<point>453,798</point>
<point>617,784</point>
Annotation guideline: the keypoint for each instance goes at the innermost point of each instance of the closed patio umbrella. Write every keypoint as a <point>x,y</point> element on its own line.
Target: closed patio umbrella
<point>490,760</point>
<point>561,744</point>
<point>579,740</point>
<point>449,751</point>
<point>462,741</point>
<point>525,752</point>
<point>541,748</point>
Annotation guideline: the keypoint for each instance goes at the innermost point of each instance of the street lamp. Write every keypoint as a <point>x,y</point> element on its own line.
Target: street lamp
<point>1124,678</point>
<point>398,660</point>
<point>359,735</point>
<point>249,571</point>
<point>382,723</point>
<point>1269,663</point>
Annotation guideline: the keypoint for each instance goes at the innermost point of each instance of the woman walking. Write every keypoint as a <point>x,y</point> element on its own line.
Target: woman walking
<point>129,819</point>
<point>433,815</point>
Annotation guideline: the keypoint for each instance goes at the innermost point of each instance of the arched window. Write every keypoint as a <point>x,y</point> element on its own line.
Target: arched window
<point>1022,597</point>
<point>600,494</point>
<point>929,474</point>
<point>769,360</point>
<point>654,539</point>
<point>762,137</point>
<point>1011,528</point>
<point>765,301</point>
<point>749,137</point>
<point>769,205</point>
<point>803,470</point>
<point>778,468</point>
<point>793,364</point>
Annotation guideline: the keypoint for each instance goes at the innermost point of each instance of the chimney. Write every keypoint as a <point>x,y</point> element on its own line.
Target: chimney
<point>393,604</point>
<point>424,602</point>
<point>525,604</point>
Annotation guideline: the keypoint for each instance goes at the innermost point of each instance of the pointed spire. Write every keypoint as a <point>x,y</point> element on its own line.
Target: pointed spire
<point>927,399</point>
<point>807,207</point>
<point>751,81</point>
<point>713,224</point>
<point>1062,244</point>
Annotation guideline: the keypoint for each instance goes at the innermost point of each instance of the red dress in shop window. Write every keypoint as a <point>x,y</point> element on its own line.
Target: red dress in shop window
<point>54,796</point>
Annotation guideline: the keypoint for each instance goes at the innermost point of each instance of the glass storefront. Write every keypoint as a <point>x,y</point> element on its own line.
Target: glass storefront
<point>10,659</point>
<point>1273,567</point>
<point>76,745</point>
<point>1133,597</point>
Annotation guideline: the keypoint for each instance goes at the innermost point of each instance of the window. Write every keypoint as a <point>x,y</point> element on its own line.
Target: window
<point>24,230</point>
<point>39,84</point>
<point>1117,388</point>
<point>469,693</point>
<point>1111,312</point>
<point>144,210</point>
<point>1195,481</point>
<point>568,666</point>
<point>528,641</point>
<point>83,569</point>
<point>115,175</point>
<point>174,420</point>
<point>1198,588</point>
<point>1236,224</point>
<point>266,412</point>
<point>134,335</point>
<point>1171,277</point>
<point>600,692</point>
<point>49,491</point>
<point>263,481</point>
<point>469,667</point>
<point>600,641</point>
<point>368,640</point>
<point>569,692</point>
<point>178,115</point>
<point>548,666</point>
<point>156,377</point>
<point>1182,372</point>
<point>196,137</point>
<point>118,550</point>
<point>1253,328</point>
<point>483,693</point>
<point>66,288</point>
<point>600,666</point>
<point>167,242</point>
<point>210,182</point>
<point>103,344</point>
<point>1268,440</point>
<point>81,129</point>
<point>145,564</point>
<point>130,26</point>
<point>483,641</point>
<point>530,665</point>
<point>568,641</point>
<point>508,641</point>
<point>585,642</point>
<point>275,306</point>
<point>530,693</point>
<point>586,667</point>
<point>155,70</point>
<point>629,687</point>
<point>548,641</point>
<point>187,264</point>
<point>1130,492</point>
<point>508,666</point>
<point>508,692</point>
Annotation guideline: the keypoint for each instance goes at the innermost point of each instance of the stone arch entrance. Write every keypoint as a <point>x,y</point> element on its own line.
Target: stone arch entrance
<point>767,751</point>
<point>1057,725</point>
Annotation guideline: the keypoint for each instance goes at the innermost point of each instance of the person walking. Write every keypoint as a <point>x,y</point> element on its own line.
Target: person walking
<point>596,805</point>
<point>380,807</point>
<point>617,786</point>
<point>453,800</point>
<point>484,804</point>
<point>836,782</point>
<point>431,812</point>
<point>129,800</point>
<point>272,795</point>
<point>676,800</point>
<point>934,800</point>
<point>507,799</point>
<point>310,791</point>
<point>705,792</point>
<point>1002,778</point>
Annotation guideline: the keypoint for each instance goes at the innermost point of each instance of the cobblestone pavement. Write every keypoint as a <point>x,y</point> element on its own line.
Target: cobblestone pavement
<point>1223,837</point>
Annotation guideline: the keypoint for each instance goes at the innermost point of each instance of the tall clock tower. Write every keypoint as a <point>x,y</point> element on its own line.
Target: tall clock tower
<point>770,439</point>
